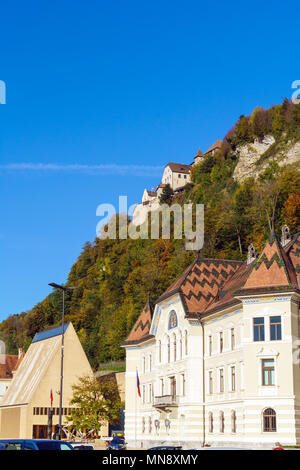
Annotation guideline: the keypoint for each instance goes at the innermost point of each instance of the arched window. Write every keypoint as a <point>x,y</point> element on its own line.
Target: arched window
<point>174,347</point>
<point>172,320</point>
<point>269,420</point>
<point>159,351</point>
<point>180,345</point>
<point>233,421</point>
<point>168,348</point>
<point>210,422</point>
<point>186,343</point>
<point>222,421</point>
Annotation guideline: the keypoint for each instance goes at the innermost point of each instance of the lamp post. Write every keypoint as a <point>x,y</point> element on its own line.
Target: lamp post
<point>63,288</point>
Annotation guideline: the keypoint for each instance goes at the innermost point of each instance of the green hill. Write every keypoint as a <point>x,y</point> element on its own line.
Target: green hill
<point>114,276</point>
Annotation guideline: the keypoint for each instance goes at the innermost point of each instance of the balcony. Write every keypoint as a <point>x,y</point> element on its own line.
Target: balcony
<point>165,401</point>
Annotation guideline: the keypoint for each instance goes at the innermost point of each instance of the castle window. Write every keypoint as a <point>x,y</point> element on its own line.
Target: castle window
<point>210,382</point>
<point>275,328</point>
<point>186,342</point>
<point>233,421</point>
<point>259,329</point>
<point>159,351</point>
<point>169,352</point>
<point>210,345</point>
<point>211,422</point>
<point>172,320</point>
<point>222,422</point>
<point>269,420</point>
<point>268,372</point>
<point>221,377</point>
<point>232,338</point>
<point>174,347</point>
<point>221,341</point>
<point>233,378</point>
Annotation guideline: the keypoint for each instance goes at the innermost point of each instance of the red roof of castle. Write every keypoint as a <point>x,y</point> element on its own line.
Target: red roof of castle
<point>179,167</point>
<point>215,146</point>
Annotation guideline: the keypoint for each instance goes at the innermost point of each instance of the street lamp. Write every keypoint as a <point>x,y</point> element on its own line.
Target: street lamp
<point>63,288</point>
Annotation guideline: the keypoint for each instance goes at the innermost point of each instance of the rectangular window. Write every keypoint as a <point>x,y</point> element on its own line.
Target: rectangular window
<point>210,382</point>
<point>210,345</point>
<point>162,388</point>
<point>232,339</point>
<point>268,372</point>
<point>183,384</point>
<point>221,380</point>
<point>259,329</point>
<point>233,379</point>
<point>275,328</point>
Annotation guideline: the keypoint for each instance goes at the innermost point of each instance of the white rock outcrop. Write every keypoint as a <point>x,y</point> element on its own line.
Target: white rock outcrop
<point>250,154</point>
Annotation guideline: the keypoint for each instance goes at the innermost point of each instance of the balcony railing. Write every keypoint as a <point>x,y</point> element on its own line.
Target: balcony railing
<point>165,400</point>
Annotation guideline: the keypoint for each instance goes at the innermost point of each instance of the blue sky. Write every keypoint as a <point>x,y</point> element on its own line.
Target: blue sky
<point>119,85</point>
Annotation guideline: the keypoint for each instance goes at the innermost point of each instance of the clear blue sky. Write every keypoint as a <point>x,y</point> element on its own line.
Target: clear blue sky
<point>125,83</point>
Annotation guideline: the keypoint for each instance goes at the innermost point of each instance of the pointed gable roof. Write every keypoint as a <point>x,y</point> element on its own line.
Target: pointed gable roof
<point>272,270</point>
<point>201,282</point>
<point>141,329</point>
<point>198,154</point>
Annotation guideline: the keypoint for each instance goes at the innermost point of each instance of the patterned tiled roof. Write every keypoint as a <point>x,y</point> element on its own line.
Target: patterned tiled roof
<point>272,270</point>
<point>201,282</point>
<point>141,329</point>
<point>208,285</point>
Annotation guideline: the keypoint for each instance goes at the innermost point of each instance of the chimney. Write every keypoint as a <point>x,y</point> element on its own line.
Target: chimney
<point>251,254</point>
<point>285,235</point>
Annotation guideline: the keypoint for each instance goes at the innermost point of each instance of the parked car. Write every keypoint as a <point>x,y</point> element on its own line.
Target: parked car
<point>166,448</point>
<point>82,446</point>
<point>220,448</point>
<point>117,443</point>
<point>33,444</point>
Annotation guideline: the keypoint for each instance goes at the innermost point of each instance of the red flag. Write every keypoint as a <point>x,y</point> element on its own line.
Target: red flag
<point>138,384</point>
<point>51,397</point>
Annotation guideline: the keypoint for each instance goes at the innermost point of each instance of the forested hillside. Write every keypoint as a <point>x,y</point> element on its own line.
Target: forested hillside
<point>114,276</point>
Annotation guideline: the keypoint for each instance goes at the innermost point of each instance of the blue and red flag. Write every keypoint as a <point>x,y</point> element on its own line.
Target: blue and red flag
<point>51,397</point>
<point>138,384</point>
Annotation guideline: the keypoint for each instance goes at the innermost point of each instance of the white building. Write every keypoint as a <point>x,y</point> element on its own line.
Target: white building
<point>217,361</point>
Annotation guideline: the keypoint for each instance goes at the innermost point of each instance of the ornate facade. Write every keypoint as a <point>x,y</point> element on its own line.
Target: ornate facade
<point>218,360</point>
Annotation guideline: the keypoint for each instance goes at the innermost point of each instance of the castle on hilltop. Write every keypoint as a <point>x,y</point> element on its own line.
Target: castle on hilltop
<point>177,175</point>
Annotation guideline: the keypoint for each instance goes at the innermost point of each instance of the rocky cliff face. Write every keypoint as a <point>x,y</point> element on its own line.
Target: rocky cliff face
<point>251,157</point>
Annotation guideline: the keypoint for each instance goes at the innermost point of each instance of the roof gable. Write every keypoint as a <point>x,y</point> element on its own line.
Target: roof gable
<point>272,269</point>
<point>142,326</point>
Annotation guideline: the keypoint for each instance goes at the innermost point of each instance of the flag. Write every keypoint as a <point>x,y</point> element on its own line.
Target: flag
<point>51,397</point>
<point>138,384</point>
<point>154,189</point>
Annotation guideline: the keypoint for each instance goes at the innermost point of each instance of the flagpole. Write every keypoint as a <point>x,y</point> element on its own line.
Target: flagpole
<point>135,414</point>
